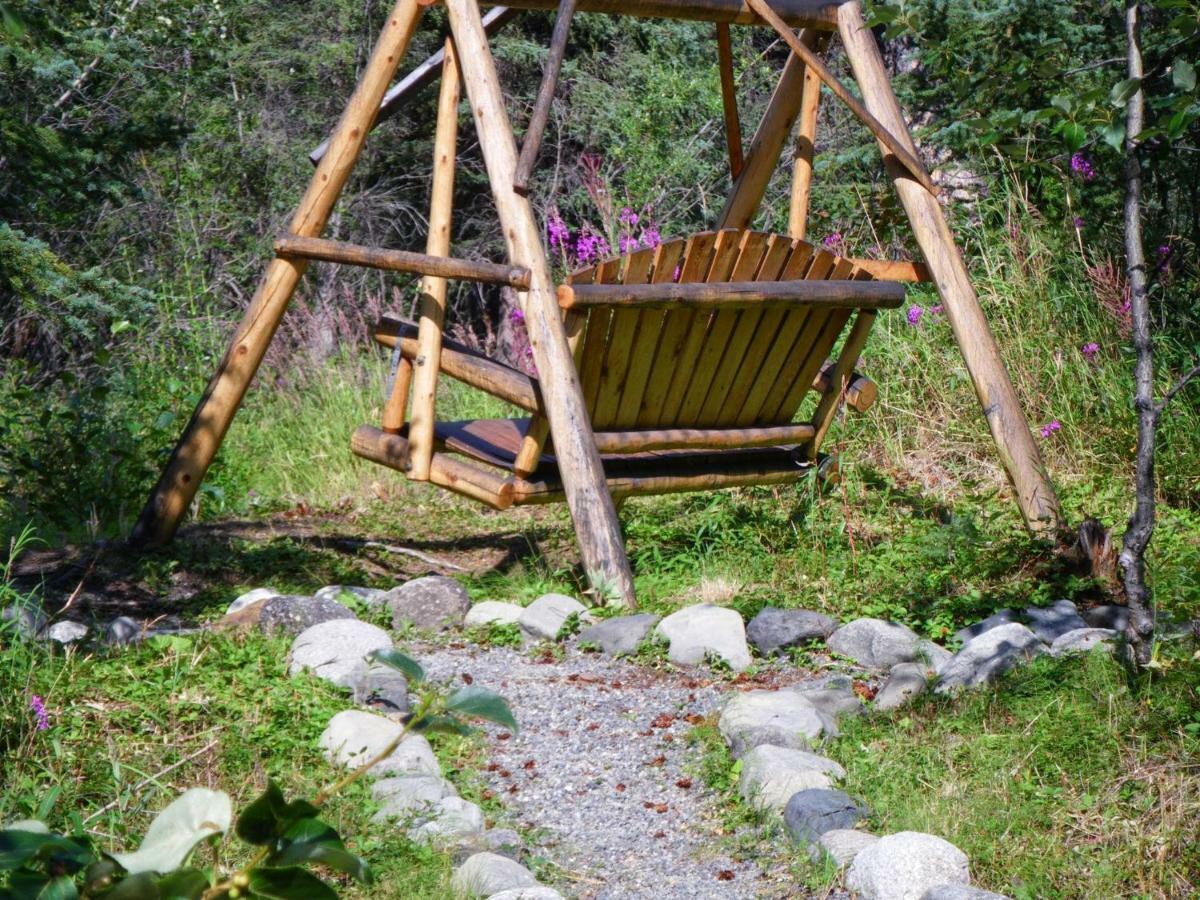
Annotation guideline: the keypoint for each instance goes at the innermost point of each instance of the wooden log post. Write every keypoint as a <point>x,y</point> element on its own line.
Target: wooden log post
<point>733,125</point>
<point>545,98</point>
<point>806,146</point>
<point>1018,451</point>
<point>204,433</point>
<point>432,304</point>
<point>591,505</point>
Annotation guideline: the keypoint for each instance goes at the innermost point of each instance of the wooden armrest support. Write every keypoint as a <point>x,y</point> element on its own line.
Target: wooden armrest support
<point>861,392</point>
<point>736,294</point>
<point>893,269</point>
<point>466,365</point>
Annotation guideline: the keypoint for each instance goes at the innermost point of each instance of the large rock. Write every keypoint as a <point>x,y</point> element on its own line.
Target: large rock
<point>695,632</point>
<point>774,630</point>
<point>544,618</point>
<point>66,632</point>
<point>405,796</point>
<point>353,737</point>
<point>492,612</point>
<point>905,681</point>
<point>540,892</point>
<point>785,718</point>
<point>995,620</point>
<point>842,845</point>
<point>904,866</point>
<point>960,892</point>
<point>25,617</point>
<point>1053,621</point>
<point>449,820</point>
<point>249,598</point>
<point>983,658</point>
<point>876,644</point>
<point>432,603</point>
<point>621,635</point>
<point>383,688</point>
<point>485,874</point>
<point>337,650</point>
<point>1081,640</point>
<point>835,698</point>
<point>370,597</point>
<point>771,775</point>
<point>293,614</point>
<point>1110,615</point>
<point>811,813</point>
<point>122,631</point>
<point>503,841</point>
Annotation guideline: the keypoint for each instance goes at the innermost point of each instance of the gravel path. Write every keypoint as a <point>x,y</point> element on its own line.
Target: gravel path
<point>602,776</point>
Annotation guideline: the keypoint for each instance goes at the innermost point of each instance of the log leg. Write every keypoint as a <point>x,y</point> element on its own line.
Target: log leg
<point>590,502</point>
<point>1018,452</point>
<point>201,439</point>
<point>733,126</point>
<point>802,165</point>
<point>433,289</point>
<point>396,406</point>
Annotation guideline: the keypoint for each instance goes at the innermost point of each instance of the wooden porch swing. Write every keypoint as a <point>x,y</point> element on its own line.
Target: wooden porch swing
<point>682,367</point>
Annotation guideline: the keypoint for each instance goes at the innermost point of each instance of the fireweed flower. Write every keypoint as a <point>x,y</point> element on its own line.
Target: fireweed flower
<point>1082,166</point>
<point>651,238</point>
<point>557,231</point>
<point>628,217</point>
<point>937,310</point>
<point>1077,222</point>
<point>1090,350</point>
<point>832,241</point>
<point>914,315</point>
<point>41,717</point>
<point>517,316</point>
<point>628,243</point>
<point>1050,427</point>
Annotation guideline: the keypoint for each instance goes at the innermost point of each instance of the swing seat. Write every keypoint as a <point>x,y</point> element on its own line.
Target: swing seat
<point>695,360</point>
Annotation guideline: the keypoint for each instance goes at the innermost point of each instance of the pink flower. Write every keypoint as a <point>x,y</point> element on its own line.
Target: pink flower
<point>937,310</point>
<point>833,241</point>
<point>1090,350</point>
<point>1082,166</point>
<point>651,238</point>
<point>38,706</point>
<point>1077,222</point>
<point>557,230</point>
<point>914,315</point>
<point>628,243</point>
<point>1050,427</point>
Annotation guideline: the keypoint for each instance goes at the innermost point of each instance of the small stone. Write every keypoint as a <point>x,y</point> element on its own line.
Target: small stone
<point>26,617</point>
<point>697,631</point>
<point>841,845</point>
<point>337,650</point>
<point>904,866</point>
<point>353,736</point>
<point>432,603</point>
<point>1055,620</point>
<point>504,841</point>
<point>621,635</point>
<point>450,819</point>
<point>905,681</point>
<point>772,775</point>
<point>987,656</point>
<point>485,874</point>
<point>371,597</point>
<point>875,644</point>
<point>383,688</point>
<point>66,632</point>
<point>541,892</point>
<point>774,630</point>
<point>811,813</point>
<point>405,796</point>
<point>960,892</point>
<point>544,618</point>
<point>996,619</point>
<point>785,718</point>
<point>257,595</point>
<point>492,612</point>
<point>1110,615</point>
<point>122,631</point>
<point>1081,640</point>
<point>292,614</point>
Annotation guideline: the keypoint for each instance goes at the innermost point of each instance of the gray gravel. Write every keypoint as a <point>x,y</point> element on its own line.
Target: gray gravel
<point>603,779</point>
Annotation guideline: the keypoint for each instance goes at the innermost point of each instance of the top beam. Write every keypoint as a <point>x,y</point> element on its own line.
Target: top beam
<point>818,14</point>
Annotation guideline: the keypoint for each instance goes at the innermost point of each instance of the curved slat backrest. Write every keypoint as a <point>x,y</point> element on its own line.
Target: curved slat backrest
<point>643,368</point>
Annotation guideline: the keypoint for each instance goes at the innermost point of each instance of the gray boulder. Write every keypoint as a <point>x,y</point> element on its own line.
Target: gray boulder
<point>371,597</point>
<point>1053,621</point>
<point>841,845</point>
<point>353,737</point>
<point>337,650</point>
<point>1081,640</point>
<point>905,681</point>
<point>383,688</point>
<point>544,618</point>
<point>876,644</point>
<point>66,632</point>
<point>432,603</point>
<point>904,866</point>
<point>987,656</point>
<point>695,632</point>
<point>960,892</point>
<point>621,635</point>
<point>811,813</point>
<point>25,617</point>
<point>492,612</point>
<point>774,630</point>
<point>834,699</point>
<point>122,631</point>
<point>503,841</point>
<point>486,874</point>
<point>406,796</point>
<point>1110,615</point>
<point>772,775</point>
<point>257,595</point>
<point>449,820</point>
<point>541,892</point>
<point>293,614</point>
<point>785,718</point>
<point>999,617</point>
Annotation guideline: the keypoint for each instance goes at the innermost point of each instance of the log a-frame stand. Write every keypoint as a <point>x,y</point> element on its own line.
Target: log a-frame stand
<point>739,286</point>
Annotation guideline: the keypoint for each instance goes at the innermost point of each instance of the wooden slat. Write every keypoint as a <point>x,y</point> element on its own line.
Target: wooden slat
<point>831,400</point>
<point>619,442</point>
<point>622,335</point>
<point>709,299</point>
<point>596,338</point>
<point>292,246</point>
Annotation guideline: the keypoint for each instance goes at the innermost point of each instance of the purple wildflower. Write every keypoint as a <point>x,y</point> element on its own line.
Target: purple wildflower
<point>832,241</point>
<point>1077,222</point>
<point>676,273</point>
<point>1164,250</point>
<point>628,243</point>
<point>1090,350</point>
<point>937,310</point>
<point>39,712</point>
<point>914,315</point>
<point>1050,427</point>
<point>628,217</point>
<point>556,228</point>
<point>516,315</point>
<point>651,238</point>
<point>1082,166</point>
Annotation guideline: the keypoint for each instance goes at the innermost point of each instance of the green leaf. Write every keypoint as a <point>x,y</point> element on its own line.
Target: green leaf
<point>26,885</point>
<point>186,884</point>
<point>1123,90</point>
<point>482,704</point>
<point>19,845</point>
<point>1114,134</point>
<point>290,884</point>
<point>394,659</point>
<point>1183,74</point>
<point>313,841</point>
<point>142,886</point>
<point>195,815</point>
<point>442,724</point>
<point>1074,134</point>
<point>270,816</point>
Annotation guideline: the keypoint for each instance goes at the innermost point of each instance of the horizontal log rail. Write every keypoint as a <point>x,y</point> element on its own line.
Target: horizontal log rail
<point>293,246</point>
<point>643,441</point>
<point>838,294</point>
<point>820,14</point>
<point>893,269</point>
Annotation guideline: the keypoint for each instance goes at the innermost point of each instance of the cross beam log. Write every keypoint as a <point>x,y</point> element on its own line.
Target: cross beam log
<point>820,14</point>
